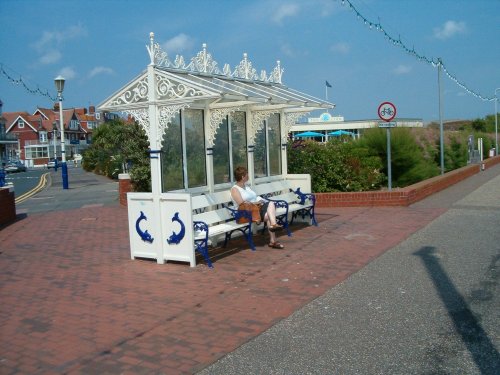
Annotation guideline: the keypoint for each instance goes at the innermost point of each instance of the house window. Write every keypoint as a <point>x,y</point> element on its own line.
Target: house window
<point>36,152</point>
<point>42,137</point>
<point>230,147</point>
<point>267,150</point>
<point>183,152</point>
<point>20,124</point>
<point>74,124</point>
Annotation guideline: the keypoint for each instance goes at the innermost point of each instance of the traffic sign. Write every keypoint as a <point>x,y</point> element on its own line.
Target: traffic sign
<point>389,124</point>
<point>386,111</point>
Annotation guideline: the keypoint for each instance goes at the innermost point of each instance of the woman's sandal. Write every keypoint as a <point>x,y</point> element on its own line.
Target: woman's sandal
<point>275,228</point>
<point>276,245</point>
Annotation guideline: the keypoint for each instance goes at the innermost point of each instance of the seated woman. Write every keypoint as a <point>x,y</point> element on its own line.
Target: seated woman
<point>241,193</point>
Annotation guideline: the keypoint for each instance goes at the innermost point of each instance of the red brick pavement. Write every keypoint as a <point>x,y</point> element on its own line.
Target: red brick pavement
<point>72,300</point>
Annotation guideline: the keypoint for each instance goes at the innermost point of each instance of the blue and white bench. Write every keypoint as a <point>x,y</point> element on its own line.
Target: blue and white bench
<point>290,202</point>
<point>214,217</point>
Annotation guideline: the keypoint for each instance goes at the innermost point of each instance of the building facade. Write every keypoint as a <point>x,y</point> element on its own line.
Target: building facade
<point>35,138</point>
<point>327,126</point>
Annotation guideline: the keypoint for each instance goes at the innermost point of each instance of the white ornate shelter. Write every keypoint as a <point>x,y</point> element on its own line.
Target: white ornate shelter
<point>202,122</point>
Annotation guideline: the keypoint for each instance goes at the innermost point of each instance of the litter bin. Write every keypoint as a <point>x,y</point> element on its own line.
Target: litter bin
<point>492,152</point>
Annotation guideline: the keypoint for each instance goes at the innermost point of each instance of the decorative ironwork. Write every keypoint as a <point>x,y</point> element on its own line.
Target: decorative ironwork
<point>203,62</point>
<point>136,94</point>
<point>257,124</point>
<point>246,70</point>
<point>145,236</point>
<point>166,88</point>
<point>176,238</point>
<point>276,74</point>
<point>290,119</point>
<point>216,118</point>
<point>141,115</point>
<point>165,115</point>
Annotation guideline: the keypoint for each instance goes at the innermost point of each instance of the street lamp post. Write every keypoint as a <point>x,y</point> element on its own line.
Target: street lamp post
<point>496,122</point>
<point>54,138</point>
<point>59,81</point>
<point>441,140</point>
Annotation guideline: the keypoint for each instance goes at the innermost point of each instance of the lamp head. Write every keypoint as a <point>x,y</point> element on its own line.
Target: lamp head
<point>59,81</point>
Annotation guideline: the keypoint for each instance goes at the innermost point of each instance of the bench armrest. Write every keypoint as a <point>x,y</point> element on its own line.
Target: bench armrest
<point>201,226</point>
<point>277,202</point>
<point>238,214</point>
<point>305,196</point>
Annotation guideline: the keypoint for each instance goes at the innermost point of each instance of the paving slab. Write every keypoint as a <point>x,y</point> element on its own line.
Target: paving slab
<point>74,302</point>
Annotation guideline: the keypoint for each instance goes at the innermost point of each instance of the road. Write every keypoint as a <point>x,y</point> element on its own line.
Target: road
<point>25,181</point>
<point>85,189</point>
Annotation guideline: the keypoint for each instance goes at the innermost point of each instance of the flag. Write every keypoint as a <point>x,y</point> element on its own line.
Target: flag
<point>327,84</point>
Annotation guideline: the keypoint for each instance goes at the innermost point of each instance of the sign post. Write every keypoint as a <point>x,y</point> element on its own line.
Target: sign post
<point>387,112</point>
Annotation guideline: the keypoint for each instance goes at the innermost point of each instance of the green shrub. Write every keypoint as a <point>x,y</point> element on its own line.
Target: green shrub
<point>409,163</point>
<point>335,166</point>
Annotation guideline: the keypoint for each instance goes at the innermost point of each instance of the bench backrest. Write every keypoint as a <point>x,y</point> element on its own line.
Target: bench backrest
<point>209,207</point>
<point>277,190</point>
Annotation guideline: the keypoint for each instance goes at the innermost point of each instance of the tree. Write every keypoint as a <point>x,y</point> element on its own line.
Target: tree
<point>120,147</point>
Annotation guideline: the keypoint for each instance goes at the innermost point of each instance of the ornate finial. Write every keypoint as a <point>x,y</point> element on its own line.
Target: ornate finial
<point>245,69</point>
<point>205,59</point>
<point>276,74</point>
<point>151,47</point>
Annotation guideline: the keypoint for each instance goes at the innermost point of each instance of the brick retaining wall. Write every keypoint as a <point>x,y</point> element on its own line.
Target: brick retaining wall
<point>124,186</point>
<point>7,205</point>
<point>404,196</point>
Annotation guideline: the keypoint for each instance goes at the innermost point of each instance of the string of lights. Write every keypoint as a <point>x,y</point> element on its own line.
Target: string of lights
<point>20,81</point>
<point>398,43</point>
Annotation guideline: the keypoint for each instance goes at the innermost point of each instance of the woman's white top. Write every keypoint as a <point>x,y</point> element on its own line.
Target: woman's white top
<point>247,194</point>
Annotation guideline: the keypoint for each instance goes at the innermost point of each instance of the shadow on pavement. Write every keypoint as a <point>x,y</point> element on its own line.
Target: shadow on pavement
<point>481,348</point>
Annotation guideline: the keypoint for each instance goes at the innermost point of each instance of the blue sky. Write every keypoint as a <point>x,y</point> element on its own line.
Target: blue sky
<point>99,46</point>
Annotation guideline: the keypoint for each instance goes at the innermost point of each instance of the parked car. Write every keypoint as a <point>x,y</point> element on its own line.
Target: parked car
<point>52,164</point>
<point>15,166</point>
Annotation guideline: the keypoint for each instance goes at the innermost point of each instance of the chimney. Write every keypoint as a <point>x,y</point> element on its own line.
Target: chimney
<point>91,109</point>
<point>56,106</point>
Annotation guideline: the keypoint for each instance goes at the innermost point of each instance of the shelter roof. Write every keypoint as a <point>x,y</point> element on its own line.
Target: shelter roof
<point>201,81</point>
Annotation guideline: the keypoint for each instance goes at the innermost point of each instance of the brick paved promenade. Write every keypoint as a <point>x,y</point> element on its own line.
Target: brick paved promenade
<point>72,300</point>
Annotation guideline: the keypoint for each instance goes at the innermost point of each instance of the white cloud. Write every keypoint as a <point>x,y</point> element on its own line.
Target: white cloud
<point>67,72</point>
<point>48,45</point>
<point>285,10</point>
<point>327,7</point>
<point>51,38</point>
<point>450,29</point>
<point>342,48</point>
<point>100,70</point>
<point>178,43</point>
<point>50,57</point>
<point>287,50</point>
<point>402,69</point>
